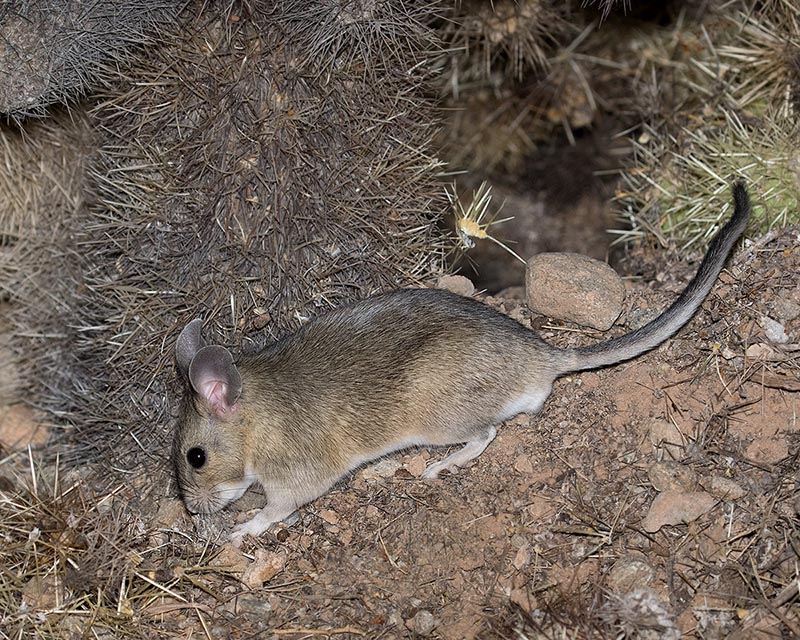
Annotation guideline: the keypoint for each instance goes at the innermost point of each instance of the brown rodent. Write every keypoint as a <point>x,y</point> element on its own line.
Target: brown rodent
<point>406,368</point>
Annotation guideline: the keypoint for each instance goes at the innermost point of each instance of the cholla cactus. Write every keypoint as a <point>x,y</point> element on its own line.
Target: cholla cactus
<point>259,164</point>
<point>53,51</point>
<point>738,120</point>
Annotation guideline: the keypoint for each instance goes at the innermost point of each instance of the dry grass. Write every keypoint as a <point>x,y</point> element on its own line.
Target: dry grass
<point>79,558</point>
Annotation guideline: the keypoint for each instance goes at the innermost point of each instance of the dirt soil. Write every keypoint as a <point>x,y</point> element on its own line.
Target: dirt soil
<point>655,499</point>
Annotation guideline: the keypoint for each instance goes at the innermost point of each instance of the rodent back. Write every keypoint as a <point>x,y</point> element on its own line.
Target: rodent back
<point>385,368</point>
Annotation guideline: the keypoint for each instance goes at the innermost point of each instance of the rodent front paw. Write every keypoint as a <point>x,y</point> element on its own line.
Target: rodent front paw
<point>237,536</point>
<point>241,530</point>
<point>255,527</point>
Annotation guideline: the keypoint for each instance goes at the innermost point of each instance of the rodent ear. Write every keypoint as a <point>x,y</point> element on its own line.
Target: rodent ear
<point>214,376</point>
<point>189,343</point>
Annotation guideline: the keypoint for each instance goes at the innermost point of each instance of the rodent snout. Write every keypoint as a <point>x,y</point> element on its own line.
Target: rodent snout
<point>200,501</point>
<point>209,499</point>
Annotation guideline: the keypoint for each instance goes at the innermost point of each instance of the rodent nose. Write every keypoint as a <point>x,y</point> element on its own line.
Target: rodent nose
<point>194,505</point>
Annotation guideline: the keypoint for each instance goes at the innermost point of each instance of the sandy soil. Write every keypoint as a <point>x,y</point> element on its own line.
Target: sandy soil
<point>654,499</point>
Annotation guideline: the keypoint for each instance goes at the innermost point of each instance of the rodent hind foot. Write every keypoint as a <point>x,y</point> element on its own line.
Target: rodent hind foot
<point>469,451</point>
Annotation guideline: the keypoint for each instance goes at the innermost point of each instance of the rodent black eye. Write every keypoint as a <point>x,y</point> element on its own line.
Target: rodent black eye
<point>196,457</point>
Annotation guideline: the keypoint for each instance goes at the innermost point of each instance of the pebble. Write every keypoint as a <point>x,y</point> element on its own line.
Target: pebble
<point>329,516</point>
<point>383,469</point>
<point>767,449</point>
<point>416,465</point>
<point>523,464</point>
<point>20,427</point>
<point>267,565</point>
<point>774,330</point>
<point>522,557</point>
<point>230,558</point>
<point>760,351</point>
<point>723,488</point>
<point>665,434</point>
<point>647,615</point>
<point>471,562</point>
<point>786,309</point>
<point>672,476</point>
<point>456,284</point>
<point>575,288</point>
<point>170,511</point>
<point>423,623</point>
<point>253,608</point>
<point>630,573</point>
<point>674,507</point>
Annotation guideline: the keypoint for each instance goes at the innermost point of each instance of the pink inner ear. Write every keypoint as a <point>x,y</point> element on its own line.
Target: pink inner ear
<point>215,392</point>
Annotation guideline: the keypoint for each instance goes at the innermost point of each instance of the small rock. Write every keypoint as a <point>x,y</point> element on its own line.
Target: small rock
<point>267,565</point>
<point>396,619</point>
<point>522,558</point>
<point>723,488</point>
<point>416,465</point>
<point>512,293</point>
<point>643,611</point>
<point>523,464</point>
<point>47,592</point>
<point>639,316</point>
<point>382,469</point>
<point>673,507</point>
<point>665,434</point>
<point>768,450</point>
<point>522,597</point>
<point>423,623</point>
<point>672,476</point>
<point>253,608</point>
<point>457,284</point>
<point>20,427</point>
<point>471,562</point>
<point>630,573</point>
<point>170,511</point>
<point>728,353</point>
<point>230,558</point>
<point>786,309</point>
<point>760,351</point>
<point>262,319</point>
<point>774,330</point>
<point>329,516</point>
<point>576,288</point>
